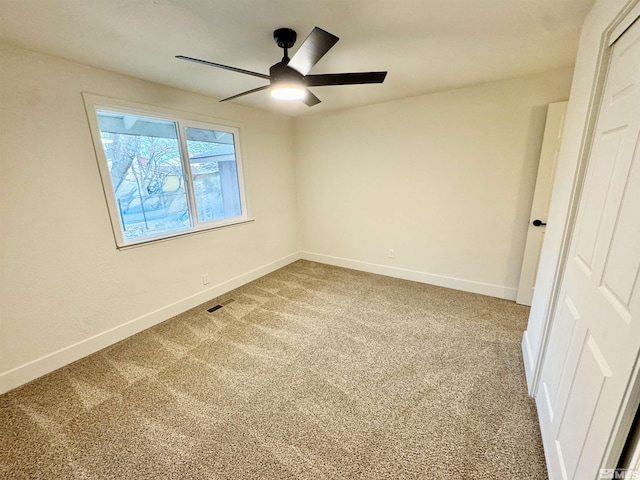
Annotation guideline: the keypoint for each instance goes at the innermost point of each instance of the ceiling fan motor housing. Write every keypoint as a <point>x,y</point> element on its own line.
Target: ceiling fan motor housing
<point>280,73</point>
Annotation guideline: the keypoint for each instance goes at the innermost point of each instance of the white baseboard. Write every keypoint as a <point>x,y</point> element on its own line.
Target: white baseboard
<point>488,289</point>
<point>48,363</point>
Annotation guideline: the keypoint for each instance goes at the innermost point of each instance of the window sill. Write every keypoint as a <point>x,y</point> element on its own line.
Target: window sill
<point>182,235</point>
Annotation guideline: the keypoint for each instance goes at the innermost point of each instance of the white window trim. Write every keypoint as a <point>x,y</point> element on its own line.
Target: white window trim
<point>183,120</point>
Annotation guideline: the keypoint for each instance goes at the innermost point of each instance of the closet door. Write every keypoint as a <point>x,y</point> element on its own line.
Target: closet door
<point>595,336</point>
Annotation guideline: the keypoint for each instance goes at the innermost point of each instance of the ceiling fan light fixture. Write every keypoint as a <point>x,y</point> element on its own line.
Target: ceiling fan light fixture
<point>288,92</point>
<point>286,83</point>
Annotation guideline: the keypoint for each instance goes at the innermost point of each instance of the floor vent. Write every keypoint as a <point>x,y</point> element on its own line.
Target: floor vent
<point>220,305</point>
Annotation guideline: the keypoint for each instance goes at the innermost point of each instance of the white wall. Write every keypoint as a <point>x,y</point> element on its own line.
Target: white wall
<point>446,180</point>
<point>578,112</point>
<point>66,291</point>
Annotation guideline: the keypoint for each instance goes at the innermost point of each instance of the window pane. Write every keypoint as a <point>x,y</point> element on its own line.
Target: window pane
<point>146,173</point>
<point>212,157</point>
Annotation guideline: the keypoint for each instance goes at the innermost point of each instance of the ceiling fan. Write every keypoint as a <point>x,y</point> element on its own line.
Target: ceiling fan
<point>289,79</point>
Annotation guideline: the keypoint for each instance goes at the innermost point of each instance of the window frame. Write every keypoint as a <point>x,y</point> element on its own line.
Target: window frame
<point>182,120</point>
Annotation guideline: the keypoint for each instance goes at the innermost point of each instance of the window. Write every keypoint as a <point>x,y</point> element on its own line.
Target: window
<point>163,175</point>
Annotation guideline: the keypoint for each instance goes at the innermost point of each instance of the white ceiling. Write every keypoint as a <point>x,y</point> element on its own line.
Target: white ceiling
<point>426,45</point>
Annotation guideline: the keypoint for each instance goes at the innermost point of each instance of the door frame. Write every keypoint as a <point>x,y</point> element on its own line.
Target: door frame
<point>556,121</point>
<point>625,18</point>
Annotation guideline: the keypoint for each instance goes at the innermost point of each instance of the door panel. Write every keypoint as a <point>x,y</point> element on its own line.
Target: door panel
<point>584,379</point>
<point>589,379</point>
<point>623,259</point>
<point>625,79</point>
<point>561,344</point>
<point>598,185</point>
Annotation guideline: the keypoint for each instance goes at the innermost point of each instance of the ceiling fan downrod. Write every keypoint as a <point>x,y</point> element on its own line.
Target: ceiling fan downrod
<point>285,38</point>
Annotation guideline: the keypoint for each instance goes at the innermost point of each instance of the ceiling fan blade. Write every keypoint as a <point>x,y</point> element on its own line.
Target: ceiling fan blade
<point>246,93</point>
<point>226,67</point>
<point>310,99</point>
<point>344,78</point>
<point>312,50</point>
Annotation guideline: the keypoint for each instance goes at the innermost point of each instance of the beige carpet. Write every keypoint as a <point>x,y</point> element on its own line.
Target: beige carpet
<point>313,372</point>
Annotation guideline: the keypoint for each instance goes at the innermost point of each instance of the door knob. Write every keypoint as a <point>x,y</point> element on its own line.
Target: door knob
<point>538,223</point>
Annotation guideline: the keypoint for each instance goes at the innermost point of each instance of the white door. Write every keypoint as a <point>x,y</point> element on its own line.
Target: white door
<point>541,200</point>
<point>595,332</point>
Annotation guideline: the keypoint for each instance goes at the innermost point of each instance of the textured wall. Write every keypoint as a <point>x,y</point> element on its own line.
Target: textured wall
<point>63,281</point>
<point>446,180</point>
